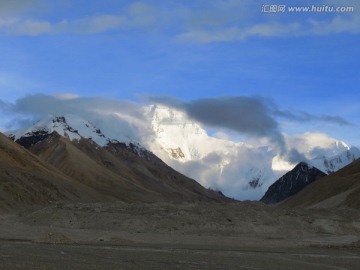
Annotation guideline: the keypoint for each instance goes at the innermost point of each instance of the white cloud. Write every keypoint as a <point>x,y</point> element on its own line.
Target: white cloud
<point>90,25</point>
<point>202,22</point>
<point>66,96</point>
<point>236,33</point>
<point>270,29</point>
<point>137,15</point>
<point>221,24</point>
<point>7,22</point>
<point>305,143</point>
<point>221,135</point>
<point>338,24</point>
<point>31,28</point>
<point>231,172</point>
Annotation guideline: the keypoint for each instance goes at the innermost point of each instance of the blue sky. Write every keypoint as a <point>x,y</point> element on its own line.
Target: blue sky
<point>188,50</point>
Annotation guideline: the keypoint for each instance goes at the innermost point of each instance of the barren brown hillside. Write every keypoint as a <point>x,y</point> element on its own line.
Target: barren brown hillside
<point>118,172</point>
<point>26,180</point>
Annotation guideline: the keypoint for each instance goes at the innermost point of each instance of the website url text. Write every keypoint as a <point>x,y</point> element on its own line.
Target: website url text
<point>308,9</point>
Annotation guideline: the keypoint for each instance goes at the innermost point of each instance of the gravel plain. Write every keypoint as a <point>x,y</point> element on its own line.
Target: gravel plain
<point>241,235</point>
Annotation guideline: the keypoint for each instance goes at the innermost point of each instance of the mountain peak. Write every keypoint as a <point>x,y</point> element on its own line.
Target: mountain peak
<point>71,126</point>
<point>303,165</point>
<point>292,182</point>
<point>59,119</point>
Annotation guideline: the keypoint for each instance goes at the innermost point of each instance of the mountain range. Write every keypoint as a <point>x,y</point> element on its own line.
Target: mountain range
<point>53,161</point>
<point>238,169</point>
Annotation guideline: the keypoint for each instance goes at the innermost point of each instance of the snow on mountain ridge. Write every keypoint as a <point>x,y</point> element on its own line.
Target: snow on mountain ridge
<point>313,145</point>
<point>336,162</point>
<point>238,169</point>
<point>182,138</point>
<point>186,146</point>
<point>74,127</point>
<point>71,126</point>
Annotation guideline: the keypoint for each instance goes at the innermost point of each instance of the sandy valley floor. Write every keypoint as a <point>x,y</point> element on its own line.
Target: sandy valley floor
<point>242,235</point>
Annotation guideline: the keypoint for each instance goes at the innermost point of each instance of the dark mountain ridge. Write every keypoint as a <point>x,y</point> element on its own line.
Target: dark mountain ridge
<point>291,183</point>
<point>340,189</point>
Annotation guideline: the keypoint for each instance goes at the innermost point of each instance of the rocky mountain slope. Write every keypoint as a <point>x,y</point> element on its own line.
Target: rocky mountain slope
<point>339,189</point>
<point>117,170</point>
<point>27,180</point>
<point>291,183</point>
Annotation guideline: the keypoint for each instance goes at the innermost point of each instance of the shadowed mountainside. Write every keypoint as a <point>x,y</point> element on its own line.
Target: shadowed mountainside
<point>291,183</point>
<point>340,189</point>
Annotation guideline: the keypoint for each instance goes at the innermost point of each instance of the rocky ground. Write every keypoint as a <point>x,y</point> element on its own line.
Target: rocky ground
<point>241,235</point>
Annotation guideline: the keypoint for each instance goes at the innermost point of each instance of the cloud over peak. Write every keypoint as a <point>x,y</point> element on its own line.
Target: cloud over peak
<point>255,116</point>
<point>249,115</point>
<point>252,116</point>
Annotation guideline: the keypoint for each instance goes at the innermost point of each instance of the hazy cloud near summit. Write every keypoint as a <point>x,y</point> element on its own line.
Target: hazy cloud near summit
<point>254,116</point>
<point>251,116</point>
<point>307,117</point>
<point>113,117</point>
<point>40,104</point>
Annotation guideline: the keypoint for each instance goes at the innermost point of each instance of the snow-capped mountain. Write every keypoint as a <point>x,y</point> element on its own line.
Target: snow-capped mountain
<point>234,167</point>
<point>182,139</point>
<point>313,144</point>
<point>306,173</point>
<point>186,146</point>
<point>238,169</point>
<point>336,162</point>
<point>321,151</point>
<point>74,128</point>
<point>62,158</point>
<point>71,126</point>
